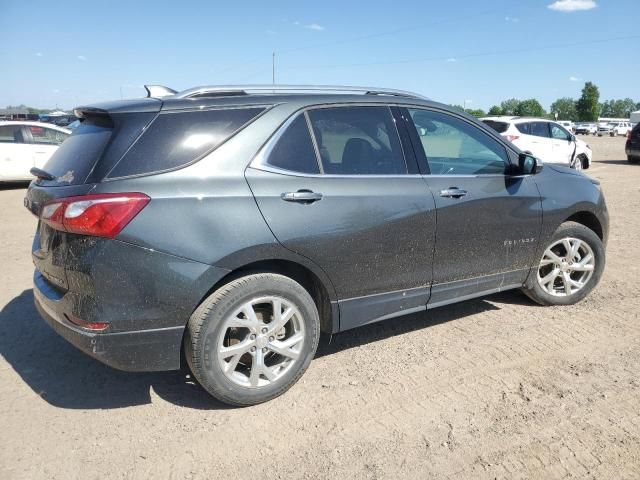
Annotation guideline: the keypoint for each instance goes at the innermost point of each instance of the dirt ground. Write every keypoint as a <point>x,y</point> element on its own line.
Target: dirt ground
<point>494,387</point>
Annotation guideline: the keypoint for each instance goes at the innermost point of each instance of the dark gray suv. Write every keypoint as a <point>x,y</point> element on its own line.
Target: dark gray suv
<point>229,226</point>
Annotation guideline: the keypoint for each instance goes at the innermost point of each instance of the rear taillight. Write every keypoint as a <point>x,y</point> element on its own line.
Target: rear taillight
<point>511,138</point>
<point>99,215</point>
<point>94,326</point>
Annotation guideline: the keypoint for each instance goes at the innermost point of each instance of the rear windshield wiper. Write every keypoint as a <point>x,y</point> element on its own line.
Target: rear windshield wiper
<point>39,173</point>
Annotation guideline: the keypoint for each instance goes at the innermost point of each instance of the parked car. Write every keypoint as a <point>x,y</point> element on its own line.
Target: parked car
<point>232,225</point>
<point>586,128</point>
<point>620,128</point>
<point>24,145</point>
<point>632,147</point>
<point>570,126</point>
<point>604,129</point>
<point>545,139</point>
<point>61,120</point>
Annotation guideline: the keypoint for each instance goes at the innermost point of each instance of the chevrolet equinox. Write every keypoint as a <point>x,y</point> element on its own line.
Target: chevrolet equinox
<point>229,226</point>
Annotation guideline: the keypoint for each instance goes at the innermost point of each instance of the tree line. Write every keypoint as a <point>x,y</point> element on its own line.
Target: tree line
<point>587,108</point>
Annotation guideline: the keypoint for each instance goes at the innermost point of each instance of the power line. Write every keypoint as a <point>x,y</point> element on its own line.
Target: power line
<point>369,36</point>
<point>469,55</point>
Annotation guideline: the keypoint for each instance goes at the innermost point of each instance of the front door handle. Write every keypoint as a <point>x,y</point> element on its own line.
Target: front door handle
<point>301,196</point>
<point>453,192</point>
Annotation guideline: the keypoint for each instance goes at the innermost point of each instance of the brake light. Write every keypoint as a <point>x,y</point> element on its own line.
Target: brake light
<point>99,215</point>
<point>511,138</point>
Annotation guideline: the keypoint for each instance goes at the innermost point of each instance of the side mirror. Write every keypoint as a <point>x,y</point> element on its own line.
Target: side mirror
<point>572,138</point>
<point>528,164</point>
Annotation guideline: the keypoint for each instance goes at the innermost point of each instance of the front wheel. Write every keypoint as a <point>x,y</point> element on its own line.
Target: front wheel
<point>252,339</point>
<point>570,267</point>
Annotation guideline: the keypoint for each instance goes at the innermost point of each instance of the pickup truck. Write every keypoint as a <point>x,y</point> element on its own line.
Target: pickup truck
<point>586,128</point>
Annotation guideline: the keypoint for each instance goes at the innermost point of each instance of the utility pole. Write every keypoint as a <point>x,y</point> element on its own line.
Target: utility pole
<point>273,68</point>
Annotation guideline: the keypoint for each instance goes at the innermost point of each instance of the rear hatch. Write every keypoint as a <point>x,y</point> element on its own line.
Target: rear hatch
<point>83,160</point>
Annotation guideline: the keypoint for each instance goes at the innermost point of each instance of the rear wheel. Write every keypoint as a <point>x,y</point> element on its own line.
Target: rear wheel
<point>252,339</point>
<point>570,267</point>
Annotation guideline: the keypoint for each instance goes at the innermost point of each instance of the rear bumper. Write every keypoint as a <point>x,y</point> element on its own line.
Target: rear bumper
<point>142,350</point>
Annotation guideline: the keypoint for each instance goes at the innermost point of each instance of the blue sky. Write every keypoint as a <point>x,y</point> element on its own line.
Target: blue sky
<point>65,53</point>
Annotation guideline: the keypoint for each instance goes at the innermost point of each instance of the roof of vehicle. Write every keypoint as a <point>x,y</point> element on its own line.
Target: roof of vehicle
<point>239,95</point>
<point>34,124</point>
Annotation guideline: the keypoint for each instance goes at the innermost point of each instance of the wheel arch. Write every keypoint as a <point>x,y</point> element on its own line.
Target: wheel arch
<point>317,288</point>
<point>589,220</point>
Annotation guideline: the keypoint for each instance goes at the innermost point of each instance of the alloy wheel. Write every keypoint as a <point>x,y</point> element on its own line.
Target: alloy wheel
<point>261,341</point>
<point>566,267</point>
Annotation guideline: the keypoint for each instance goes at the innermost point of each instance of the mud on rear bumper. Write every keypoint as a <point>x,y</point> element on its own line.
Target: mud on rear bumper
<point>142,350</point>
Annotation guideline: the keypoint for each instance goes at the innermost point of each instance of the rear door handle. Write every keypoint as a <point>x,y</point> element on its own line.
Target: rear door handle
<point>301,196</point>
<point>453,192</point>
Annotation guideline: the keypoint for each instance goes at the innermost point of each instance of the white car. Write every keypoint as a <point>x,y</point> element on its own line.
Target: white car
<point>586,128</point>
<point>24,145</point>
<point>620,128</point>
<point>568,125</point>
<point>547,140</point>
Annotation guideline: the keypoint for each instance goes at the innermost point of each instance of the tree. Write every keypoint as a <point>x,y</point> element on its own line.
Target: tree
<point>565,108</point>
<point>509,106</point>
<point>623,108</point>
<point>587,107</point>
<point>476,112</point>
<point>530,108</point>
<point>495,110</point>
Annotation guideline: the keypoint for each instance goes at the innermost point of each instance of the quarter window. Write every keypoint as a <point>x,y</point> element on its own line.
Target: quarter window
<point>524,128</point>
<point>294,149</point>
<point>175,139</point>
<point>455,147</point>
<point>357,141</point>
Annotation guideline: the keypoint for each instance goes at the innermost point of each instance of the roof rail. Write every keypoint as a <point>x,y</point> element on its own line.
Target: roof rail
<point>232,90</point>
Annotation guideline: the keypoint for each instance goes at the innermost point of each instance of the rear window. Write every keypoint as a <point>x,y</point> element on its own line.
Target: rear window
<point>499,127</point>
<point>77,155</point>
<point>176,139</point>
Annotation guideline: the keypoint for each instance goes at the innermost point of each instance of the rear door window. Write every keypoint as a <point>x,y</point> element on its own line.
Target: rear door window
<point>540,129</point>
<point>11,134</point>
<point>357,141</point>
<point>176,139</point>
<point>294,150</point>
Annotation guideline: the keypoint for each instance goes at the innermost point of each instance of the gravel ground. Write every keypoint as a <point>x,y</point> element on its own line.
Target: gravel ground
<point>494,387</point>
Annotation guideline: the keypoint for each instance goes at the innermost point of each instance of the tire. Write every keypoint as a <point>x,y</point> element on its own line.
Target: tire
<point>632,160</point>
<point>585,236</point>
<point>251,339</point>
<point>578,163</point>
